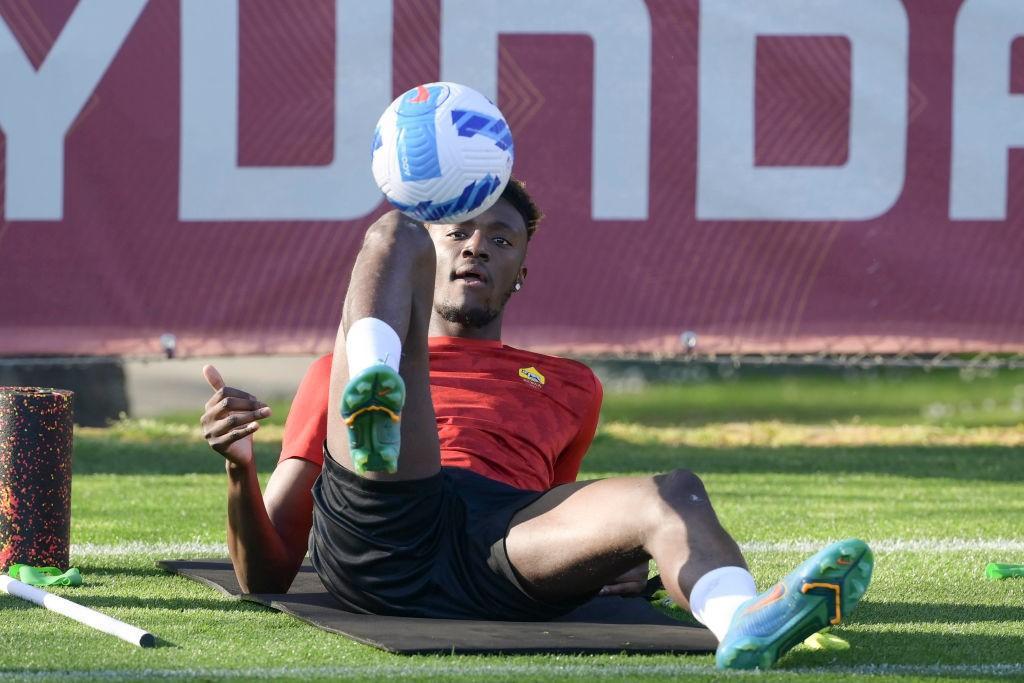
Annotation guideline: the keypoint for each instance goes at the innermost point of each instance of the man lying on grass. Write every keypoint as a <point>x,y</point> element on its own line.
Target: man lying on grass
<point>442,465</point>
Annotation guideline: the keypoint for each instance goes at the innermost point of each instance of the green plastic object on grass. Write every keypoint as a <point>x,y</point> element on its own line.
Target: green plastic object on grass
<point>823,640</point>
<point>996,571</point>
<point>45,576</point>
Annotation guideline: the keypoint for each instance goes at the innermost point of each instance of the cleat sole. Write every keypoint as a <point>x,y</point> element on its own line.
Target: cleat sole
<point>371,407</point>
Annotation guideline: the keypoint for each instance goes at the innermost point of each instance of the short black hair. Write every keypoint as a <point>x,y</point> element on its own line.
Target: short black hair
<point>515,194</point>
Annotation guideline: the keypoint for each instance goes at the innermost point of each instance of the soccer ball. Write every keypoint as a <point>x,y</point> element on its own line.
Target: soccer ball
<point>442,153</point>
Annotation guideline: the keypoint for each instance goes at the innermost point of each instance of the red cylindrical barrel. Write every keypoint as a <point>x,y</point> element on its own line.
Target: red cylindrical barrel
<point>36,450</point>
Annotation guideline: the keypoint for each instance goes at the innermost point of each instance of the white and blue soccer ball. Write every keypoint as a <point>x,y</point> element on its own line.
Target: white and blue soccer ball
<point>442,153</point>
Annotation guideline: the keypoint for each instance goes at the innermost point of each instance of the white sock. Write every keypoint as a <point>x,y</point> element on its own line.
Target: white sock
<point>718,594</point>
<point>370,341</point>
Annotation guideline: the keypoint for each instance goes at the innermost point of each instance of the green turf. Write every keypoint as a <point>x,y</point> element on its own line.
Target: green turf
<point>157,482</point>
<point>946,397</point>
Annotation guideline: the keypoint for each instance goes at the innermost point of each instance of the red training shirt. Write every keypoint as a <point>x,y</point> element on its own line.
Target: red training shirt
<point>517,417</point>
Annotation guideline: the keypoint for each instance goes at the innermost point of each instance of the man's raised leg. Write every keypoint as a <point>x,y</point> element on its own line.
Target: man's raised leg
<point>387,312</point>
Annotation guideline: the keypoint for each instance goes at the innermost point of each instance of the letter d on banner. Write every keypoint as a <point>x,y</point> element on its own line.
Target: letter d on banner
<point>213,186</point>
<point>729,186</point>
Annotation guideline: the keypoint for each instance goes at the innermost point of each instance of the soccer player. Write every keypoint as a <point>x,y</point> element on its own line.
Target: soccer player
<point>436,467</point>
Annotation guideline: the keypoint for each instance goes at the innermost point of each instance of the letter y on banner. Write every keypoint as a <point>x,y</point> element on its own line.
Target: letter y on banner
<point>38,107</point>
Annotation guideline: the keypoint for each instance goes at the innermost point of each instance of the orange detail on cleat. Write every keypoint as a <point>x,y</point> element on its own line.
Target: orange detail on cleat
<point>776,594</point>
<point>350,420</point>
<point>831,586</point>
<point>844,561</point>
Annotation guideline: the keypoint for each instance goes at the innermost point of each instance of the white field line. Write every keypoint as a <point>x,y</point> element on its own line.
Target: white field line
<point>463,669</point>
<point>165,550</point>
<point>892,545</point>
<point>896,545</point>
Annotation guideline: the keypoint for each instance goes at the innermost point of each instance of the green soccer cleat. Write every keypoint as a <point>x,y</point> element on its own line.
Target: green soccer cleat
<point>815,595</point>
<point>372,407</point>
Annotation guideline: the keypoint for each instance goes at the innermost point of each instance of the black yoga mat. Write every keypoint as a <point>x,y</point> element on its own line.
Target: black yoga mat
<point>609,624</point>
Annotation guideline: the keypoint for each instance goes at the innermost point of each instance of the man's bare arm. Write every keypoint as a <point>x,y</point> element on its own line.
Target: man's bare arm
<point>266,536</point>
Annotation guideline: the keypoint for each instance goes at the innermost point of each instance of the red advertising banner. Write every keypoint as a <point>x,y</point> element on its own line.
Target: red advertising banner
<point>771,175</point>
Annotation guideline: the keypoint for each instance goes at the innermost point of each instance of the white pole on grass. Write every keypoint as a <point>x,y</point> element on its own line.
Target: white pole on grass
<point>83,615</point>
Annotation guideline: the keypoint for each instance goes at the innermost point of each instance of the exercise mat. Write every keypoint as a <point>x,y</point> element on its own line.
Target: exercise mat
<point>606,624</point>
<point>36,433</point>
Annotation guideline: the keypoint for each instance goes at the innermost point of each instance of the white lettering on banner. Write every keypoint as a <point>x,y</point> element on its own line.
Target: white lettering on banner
<point>38,107</point>
<point>987,118</point>
<point>729,185</point>
<point>213,186</point>
<point>621,31</point>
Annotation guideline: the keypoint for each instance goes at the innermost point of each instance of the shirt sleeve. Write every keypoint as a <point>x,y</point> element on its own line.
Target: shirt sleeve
<point>306,426</point>
<point>568,464</point>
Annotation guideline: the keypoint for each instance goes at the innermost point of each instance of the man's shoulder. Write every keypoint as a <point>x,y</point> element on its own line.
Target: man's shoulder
<point>318,374</point>
<point>321,366</point>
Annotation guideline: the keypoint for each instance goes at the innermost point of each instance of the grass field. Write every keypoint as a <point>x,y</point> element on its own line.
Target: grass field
<point>926,467</point>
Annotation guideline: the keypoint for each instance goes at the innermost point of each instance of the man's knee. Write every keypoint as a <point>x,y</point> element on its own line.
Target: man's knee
<point>681,487</point>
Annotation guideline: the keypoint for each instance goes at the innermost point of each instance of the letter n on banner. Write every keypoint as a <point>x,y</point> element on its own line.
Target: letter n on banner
<point>621,31</point>
<point>729,185</point>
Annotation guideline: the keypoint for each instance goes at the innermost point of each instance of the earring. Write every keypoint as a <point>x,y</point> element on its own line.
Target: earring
<point>517,287</point>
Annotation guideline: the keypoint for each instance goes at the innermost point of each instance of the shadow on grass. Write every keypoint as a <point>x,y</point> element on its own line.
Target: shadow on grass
<point>820,396</point>
<point>9,602</point>
<point>99,455</point>
<point>612,455</point>
<point>984,463</point>
<point>95,570</point>
<point>902,643</point>
<point>936,613</point>
<point>918,649</point>
<point>175,604</point>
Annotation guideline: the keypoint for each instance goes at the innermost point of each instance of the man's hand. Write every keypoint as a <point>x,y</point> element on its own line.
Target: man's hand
<point>230,419</point>
<point>632,582</point>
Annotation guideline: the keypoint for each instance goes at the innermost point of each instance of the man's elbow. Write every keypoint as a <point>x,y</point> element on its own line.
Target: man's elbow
<point>265,583</point>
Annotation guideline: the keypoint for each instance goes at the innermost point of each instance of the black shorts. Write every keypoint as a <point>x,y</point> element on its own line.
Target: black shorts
<point>430,547</point>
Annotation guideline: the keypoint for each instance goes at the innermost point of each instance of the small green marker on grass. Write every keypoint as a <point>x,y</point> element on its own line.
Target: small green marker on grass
<point>996,571</point>
<point>45,576</point>
<point>823,640</point>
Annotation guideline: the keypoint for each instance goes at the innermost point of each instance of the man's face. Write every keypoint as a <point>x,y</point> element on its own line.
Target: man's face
<point>478,264</point>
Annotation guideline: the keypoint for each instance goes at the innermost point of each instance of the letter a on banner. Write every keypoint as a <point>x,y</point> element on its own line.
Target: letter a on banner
<point>987,118</point>
<point>38,107</point>
<point>729,185</point>
<point>213,186</point>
